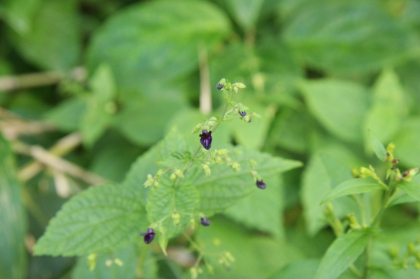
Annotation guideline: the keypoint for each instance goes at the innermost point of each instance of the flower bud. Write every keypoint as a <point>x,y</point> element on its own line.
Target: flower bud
<point>205,222</point>
<point>417,265</point>
<point>192,223</point>
<point>355,173</point>
<point>149,181</point>
<point>206,169</point>
<point>394,252</point>
<point>260,184</point>
<point>206,139</point>
<point>159,174</point>
<point>149,235</point>
<point>256,115</point>
<point>196,129</point>
<point>242,113</point>
<point>108,263</point>
<point>176,218</point>
<point>179,173</point>
<point>219,86</point>
<point>211,123</point>
<point>409,174</point>
<point>194,273</point>
<point>353,222</point>
<point>156,184</point>
<point>229,257</point>
<point>172,177</point>
<point>390,147</point>
<point>235,89</point>
<point>118,262</point>
<point>218,160</point>
<point>222,152</point>
<point>236,166</point>
<point>240,85</point>
<point>91,259</point>
<point>247,118</point>
<point>252,163</point>
<point>222,82</point>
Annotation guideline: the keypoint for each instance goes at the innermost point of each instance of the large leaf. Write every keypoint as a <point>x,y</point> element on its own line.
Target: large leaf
<point>407,142</point>
<point>12,218</point>
<point>225,186</point>
<point>347,36</point>
<point>339,106</point>
<point>53,41</point>
<point>303,269</point>
<point>350,187</point>
<point>19,14</point>
<point>100,219</point>
<point>389,108</point>
<point>342,253</point>
<point>411,188</point>
<point>67,115</point>
<point>245,12</point>
<point>157,39</point>
<point>377,146</point>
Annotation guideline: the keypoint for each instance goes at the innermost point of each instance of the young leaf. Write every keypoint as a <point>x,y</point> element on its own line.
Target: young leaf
<point>100,219</point>
<point>245,12</point>
<point>342,253</point>
<point>377,146</point>
<point>353,186</point>
<point>12,218</point>
<point>411,188</point>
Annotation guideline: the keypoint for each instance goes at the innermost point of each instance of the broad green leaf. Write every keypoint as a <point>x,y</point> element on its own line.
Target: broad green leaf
<point>263,210</point>
<point>100,219</point>
<point>388,110</point>
<point>302,269</point>
<point>245,12</point>
<point>157,40</point>
<point>100,104</point>
<point>377,146</point>
<point>411,188</point>
<point>350,187</point>
<point>166,200</point>
<point>128,270</point>
<point>322,174</point>
<point>68,115</point>
<point>342,253</point>
<point>53,41</point>
<point>328,37</point>
<point>407,142</point>
<point>19,14</point>
<point>256,256</point>
<point>224,187</point>
<point>339,106</point>
<point>12,218</point>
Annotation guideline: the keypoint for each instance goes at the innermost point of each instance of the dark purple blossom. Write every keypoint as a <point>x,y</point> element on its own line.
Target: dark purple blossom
<point>206,139</point>
<point>148,236</point>
<point>219,86</point>
<point>205,222</point>
<point>242,113</point>
<point>261,184</point>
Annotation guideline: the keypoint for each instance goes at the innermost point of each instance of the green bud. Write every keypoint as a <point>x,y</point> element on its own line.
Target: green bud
<point>194,273</point>
<point>355,173</point>
<point>159,174</point>
<point>394,252</point>
<point>235,89</point>
<point>176,218</point>
<point>353,222</point>
<point>218,160</point>
<point>149,181</point>
<point>223,82</point>
<point>118,262</point>
<point>236,111</point>
<point>196,129</point>
<point>247,118</point>
<point>252,163</point>
<point>222,152</point>
<point>412,249</point>
<point>156,184</point>
<point>236,166</point>
<point>240,85</point>
<point>417,265</point>
<point>206,169</point>
<point>108,263</point>
<point>172,177</point>
<point>409,174</point>
<point>213,118</point>
<point>229,257</point>
<point>365,172</point>
<point>179,173</point>
<point>390,147</point>
<point>210,269</point>
<point>256,115</point>
<point>212,123</point>
<point>192,223</point>
<point>91,259</point>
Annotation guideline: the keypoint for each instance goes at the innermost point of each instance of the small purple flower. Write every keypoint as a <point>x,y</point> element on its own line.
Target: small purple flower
<point>242,113</point>
<point>205,222</point>
<point>206,139</point>
<point>148,236</point>
<point>219,86</point>
<point>261,184</point>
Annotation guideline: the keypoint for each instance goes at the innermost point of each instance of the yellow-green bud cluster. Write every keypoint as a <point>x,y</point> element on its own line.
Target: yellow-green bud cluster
<point>354,225</point>
<point>236,166</point>
<point>176,218</point>
<point>226,259</point>
<point>206,169</point>
<point>91,261</point>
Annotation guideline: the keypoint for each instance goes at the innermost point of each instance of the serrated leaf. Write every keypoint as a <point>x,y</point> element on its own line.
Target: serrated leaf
<point>342,253</point>
<point>12,218</point>
<point>350,187</point>
<point>377,146</point>
<point>411,188</point>
<point>225,186</point>
<point>167,199</point>
<point>100,219</point>
<point>339,106</point>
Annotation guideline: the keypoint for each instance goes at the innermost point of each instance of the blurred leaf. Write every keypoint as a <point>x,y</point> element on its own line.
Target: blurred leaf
<point>246,12</point>
<point>128,270</point>
<point>339,106</point>
<point>12,218</point>
<point>67,115</point>
<point>388,110</point>
<point>100,219</point>
<point>302,269</point>
<point>260,257</point>
<point>377,146</point>
<point>263,210</point>
<point>407,143</point>
<point>225,187</point>
<point>347,36</point>
<point>19,14</point>
<point>157,40</point>
<point>411,188</point>
<point>53,41</point>
<point>322,174</point>
<point>342,253</point>
<point>353,186</point>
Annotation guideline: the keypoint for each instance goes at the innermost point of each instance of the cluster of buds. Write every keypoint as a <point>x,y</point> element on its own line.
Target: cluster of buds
<point>226,259</point>
<point>176,173</point>
<point>110,261</point>
<point>370,172</point>
<point>227,85</point>
<point>152,181</point>
<point>408,175</point>
<point>91,261</point>
<point>404,260</point>
<point>206,125</point>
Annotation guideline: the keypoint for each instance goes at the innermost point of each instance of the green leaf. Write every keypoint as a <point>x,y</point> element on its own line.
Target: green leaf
<point>225,187</point>
<point>411,188</point>
<point>388,110</point>
<point>100,219</point>
<point>167,199</point>
<point>12,218</point>
<point>263,210</point>
<point>19,14</point>
<point>128,270</point>
<point>339,106</point>
<point>302,269</point>
<point>377,146</point>
<point>342,253</point>
<point>350,187</point>
<point>68,115</point>
<point>406,142</point>
<point>328,37</point>
<point>245,12</point>
<point>53,40</point>
<point>157,40</point>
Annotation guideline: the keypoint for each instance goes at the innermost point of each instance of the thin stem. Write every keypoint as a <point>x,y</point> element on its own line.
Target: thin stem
<point>367,258</point>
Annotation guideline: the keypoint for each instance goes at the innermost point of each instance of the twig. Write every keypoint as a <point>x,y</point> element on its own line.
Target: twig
<point>205,90</point>
<point>55,162</point>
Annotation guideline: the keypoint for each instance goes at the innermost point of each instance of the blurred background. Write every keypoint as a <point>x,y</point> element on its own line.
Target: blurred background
<point>87,86</point>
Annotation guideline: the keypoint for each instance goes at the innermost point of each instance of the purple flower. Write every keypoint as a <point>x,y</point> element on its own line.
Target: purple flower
<point>242,113</point>
<point>261,184</point>
<point>219,86</point>
<point>206,139</point>
<point>205,222</point>
<point>148,236</point>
